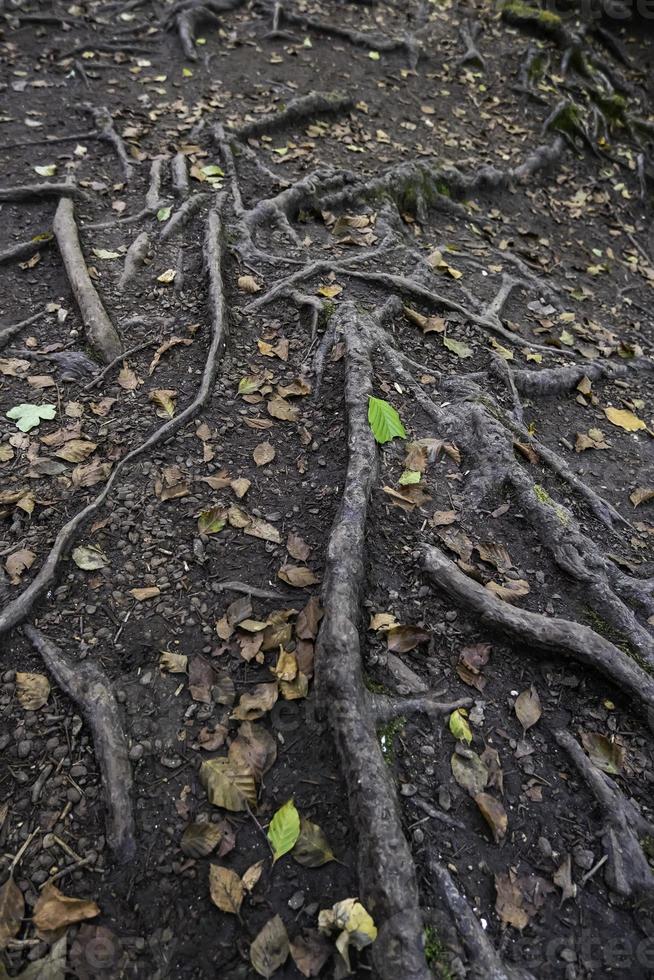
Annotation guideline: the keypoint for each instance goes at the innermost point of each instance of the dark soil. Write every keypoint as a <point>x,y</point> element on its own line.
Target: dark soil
<point>581,229</point>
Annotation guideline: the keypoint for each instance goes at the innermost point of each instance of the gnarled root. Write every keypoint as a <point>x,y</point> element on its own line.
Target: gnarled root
<point>297,110</point>
<point>542,632</point>
<point>18,609</point>
<point>107,132</point>
<point>628,872</point>
<point>100,330</point>
<point>88,687</point>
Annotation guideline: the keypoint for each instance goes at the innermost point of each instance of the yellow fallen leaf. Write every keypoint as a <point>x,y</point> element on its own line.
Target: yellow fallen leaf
<point>625,419</point>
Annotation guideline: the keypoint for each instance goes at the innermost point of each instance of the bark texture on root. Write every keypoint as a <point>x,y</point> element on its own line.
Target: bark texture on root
<point>531,629</point>
<point>27,192</point>
<point>89,688</point>
<point>106,131</point>
<point>628,872</point>
<point>24,250</point>
<point>485,962</point>
<point>19,608</point>
<point>100,330</point>
<point>297,110</point>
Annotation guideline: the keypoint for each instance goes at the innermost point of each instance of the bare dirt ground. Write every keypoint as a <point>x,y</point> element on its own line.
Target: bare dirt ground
<point>327,477</point>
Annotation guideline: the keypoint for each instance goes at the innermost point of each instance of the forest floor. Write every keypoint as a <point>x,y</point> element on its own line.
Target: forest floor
<point>332,483</point>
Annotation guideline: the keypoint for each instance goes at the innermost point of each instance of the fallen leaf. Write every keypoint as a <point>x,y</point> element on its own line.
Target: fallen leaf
<point>509,590</point>
<point>252,875</point>
<point>212,521</point>
<point>255,704</point>
<point>457,347</point>
<point>284,830</point>
<point>607,755</point>
<point>353,923</point>
<point>469,771</point>
<point>263,453</point>
<point>298,576</point>
<point>200,839</point>
<point>248,284</point>
<point>54,910</point>
<point>127,378</point>
<point>428,324</point>
<point>494,814</point>
<point>164,398</point>
<point>226,889</point>
<point>253,749</point>
<point>32,690</point>
<point>89,558</point>
<point>312,848</point>
<point>279,408</point>
<point>509,902</point>
<point>459,726</point>
<point>269,950</point>
<point>227,786</point>
<point>527,707</point>
<point>12,910</point>
<point>624,419</point>
<point>384,421</point>
<point>28,416</point>
<point>17,563</point>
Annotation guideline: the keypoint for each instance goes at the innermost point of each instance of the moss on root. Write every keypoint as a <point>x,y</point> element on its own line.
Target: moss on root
<point>387,735</point>
<point>538,21</point>
<point>436,955</point>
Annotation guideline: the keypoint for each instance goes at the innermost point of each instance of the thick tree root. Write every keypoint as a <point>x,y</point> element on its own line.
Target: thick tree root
<point>100,330</point>
<point>628,872</point>
<point>298,110</point>
<point>187,15</point>
<point>561,636</point>
<point>179,173</point>
<point>386,874</point>
<point>88,687</point>
<point>28,192</point>
<point>106,131</point>
<point>19,609</point>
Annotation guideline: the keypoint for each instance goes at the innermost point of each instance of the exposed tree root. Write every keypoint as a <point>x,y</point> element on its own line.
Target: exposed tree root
<point>88,687</point>
<point>179,173</point>
<point>469,33</point>
<point>484,961</point>
<point>8,333</point>
<point>134,258</point>
<point>308,106</point>
<point>106,131</point>
<point>561,636</point>
<point>628,872</point>
<point>187,15</point>
<point>27,192</point>
<point>100,330</point>
<point>373,42</point>
<point>19,608</point>
<point>183,215</point>
<point>24,249</point>
<point>386,872</point>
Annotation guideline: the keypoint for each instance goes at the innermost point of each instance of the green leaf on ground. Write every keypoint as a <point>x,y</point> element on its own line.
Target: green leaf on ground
<point>457,347</point>
<point>284,830</point>
<point>28,416</point>
<point>384,421</point>
<point>460,727</point>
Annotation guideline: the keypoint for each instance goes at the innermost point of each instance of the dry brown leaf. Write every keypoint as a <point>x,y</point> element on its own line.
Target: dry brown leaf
<point>641,495</point>
<point>263,453</point>
<point>17,563</point>
<point>270,948</point>
<point>310,952</point>
<point>297,547</point>
<point>254,748</point>
<point>147,592</point>
<point>166,346</point>
<point>12,910</point>
<point>240,486</point>
<point>54,910</point>
<point>248,284</point>
<point>494,814</point>
<point>428,324</point>
<point>32,690</point>
<point>76,450</point>
<point>252,875</point>
<point>298,576</point>
<point>256,703</point>
<point>88,474</point>
<point>200,839</point>
<point>127,379</point>
<point>509,590</point>
<point>401,639</point>
<point>509,902</point>
<point>528,708</point>
<point>226,889</point>
<point>308,620</point>
<point>279,408</point>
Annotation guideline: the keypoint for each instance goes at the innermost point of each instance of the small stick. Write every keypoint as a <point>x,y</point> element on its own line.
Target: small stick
<point>7,333</point>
